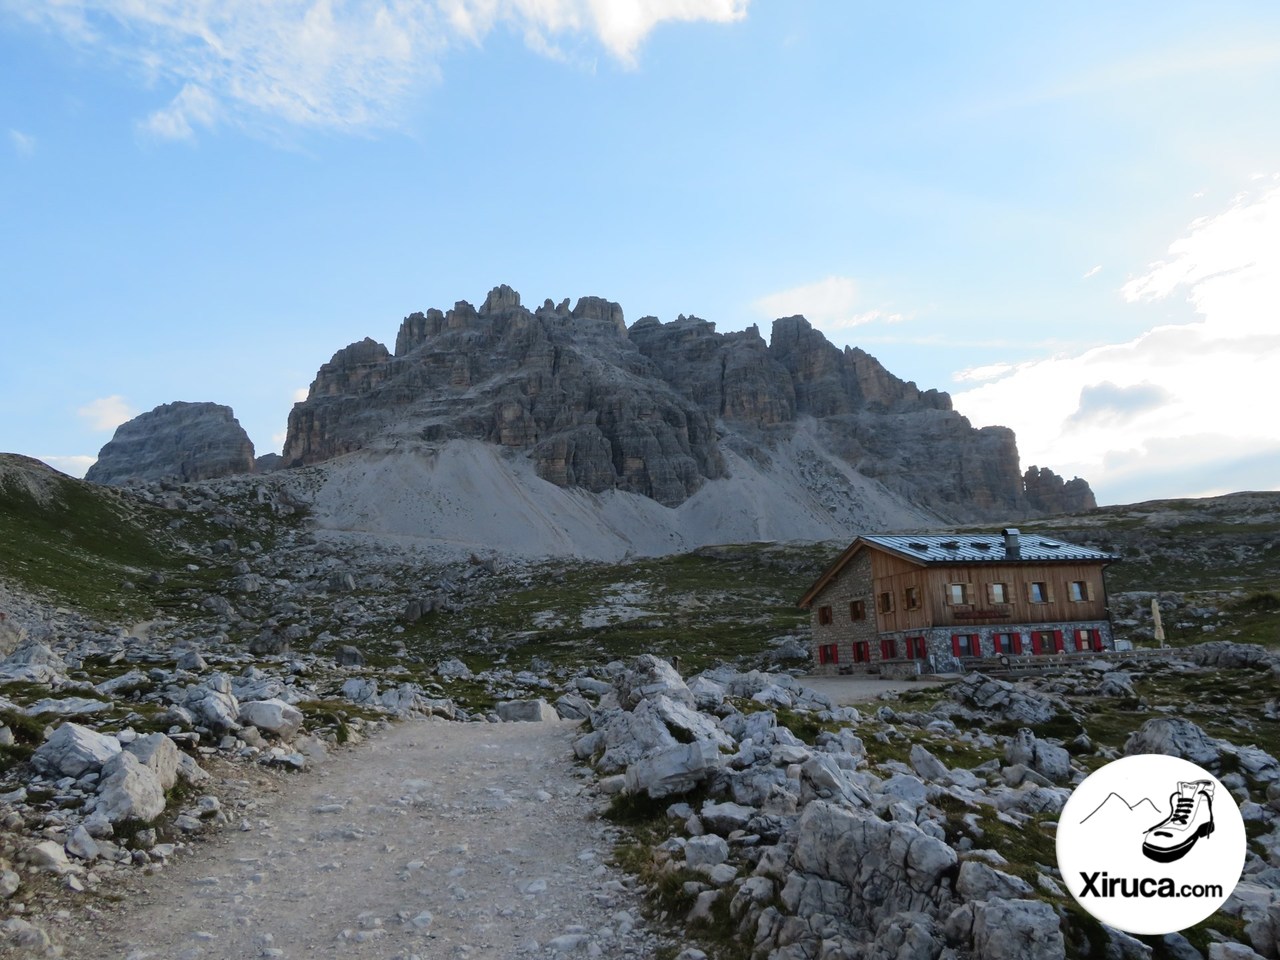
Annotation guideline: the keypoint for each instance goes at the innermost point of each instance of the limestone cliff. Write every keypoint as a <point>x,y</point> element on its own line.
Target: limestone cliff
<point>652,409</point>
<point>566,386</point>
<point>1049,493</point>
<point>175,441</point>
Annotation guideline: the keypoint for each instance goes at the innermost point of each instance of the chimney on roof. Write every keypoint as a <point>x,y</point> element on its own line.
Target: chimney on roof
<point>1012,545</point>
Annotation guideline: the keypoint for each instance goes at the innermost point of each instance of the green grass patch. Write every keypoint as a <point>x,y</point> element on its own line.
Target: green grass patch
<point>1263,601</point>
<point>709,606</point>
<point>667,901</point>
<point>335,715</point>
<point>27,731</point>
<point>1201,934</point>
<point>76,543</point>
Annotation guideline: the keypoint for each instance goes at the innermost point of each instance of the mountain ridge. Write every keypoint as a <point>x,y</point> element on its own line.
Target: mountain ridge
<point>663,411</point>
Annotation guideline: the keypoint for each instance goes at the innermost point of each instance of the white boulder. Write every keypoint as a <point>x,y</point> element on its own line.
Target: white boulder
<point>526,711</point>
<point>675,769</point>
<point>160,755</point>
<point>272,716</point>
<point>73,750</point>
<point>129,790</point>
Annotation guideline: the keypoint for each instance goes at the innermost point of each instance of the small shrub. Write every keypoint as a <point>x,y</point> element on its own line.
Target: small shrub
<point>1264,601</point>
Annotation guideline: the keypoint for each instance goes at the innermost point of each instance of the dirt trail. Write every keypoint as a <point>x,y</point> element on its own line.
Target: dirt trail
<point>434,839</point>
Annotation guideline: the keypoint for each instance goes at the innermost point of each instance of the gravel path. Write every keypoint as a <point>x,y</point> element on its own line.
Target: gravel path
<point>434,839</point>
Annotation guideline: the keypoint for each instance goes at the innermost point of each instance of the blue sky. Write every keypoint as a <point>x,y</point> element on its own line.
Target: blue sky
<point>1067,216</point>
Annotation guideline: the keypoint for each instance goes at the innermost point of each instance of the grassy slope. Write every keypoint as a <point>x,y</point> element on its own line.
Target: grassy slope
<point>708,606</point>
<point>75,543</point>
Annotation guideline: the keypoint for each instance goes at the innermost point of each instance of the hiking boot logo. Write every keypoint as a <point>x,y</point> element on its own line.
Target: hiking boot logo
<point>1127,857</point>
<point>1190,818</point>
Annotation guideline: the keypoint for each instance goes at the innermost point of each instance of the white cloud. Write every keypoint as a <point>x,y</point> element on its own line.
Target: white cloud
<point>1093,272</point>
<point>72,466</point>
<point>193,104</point>
<point>623,24</point>
<point>301,394</point>
<point>107,413</point>
<point>831,305</point>
<point>24,144</point>
<point>990,371</point>
<point>1230,265</point>
<point>1163,409</point>
<point>344,64</point>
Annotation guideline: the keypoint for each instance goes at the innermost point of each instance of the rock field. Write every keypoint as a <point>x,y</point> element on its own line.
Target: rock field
<point>255,762</point>
<point>240,832</point>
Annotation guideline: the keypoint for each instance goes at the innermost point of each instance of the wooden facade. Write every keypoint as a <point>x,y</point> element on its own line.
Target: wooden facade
<point>911,603</point>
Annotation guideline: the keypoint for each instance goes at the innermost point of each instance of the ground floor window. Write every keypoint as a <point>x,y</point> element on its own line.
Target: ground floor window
<point>966,645</point>
<point>1006,642</point>
<point>1088,639</point>
<point>862,651</point>
<point>829,653</point>
<point>916,648</point>
<point>888,649</point>
<point>1046,641</point>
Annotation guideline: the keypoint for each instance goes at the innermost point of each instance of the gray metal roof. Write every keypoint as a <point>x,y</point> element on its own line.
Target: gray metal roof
<point>984,548</point>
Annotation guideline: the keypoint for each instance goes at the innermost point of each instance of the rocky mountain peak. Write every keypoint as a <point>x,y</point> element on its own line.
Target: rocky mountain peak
<point>564,386</point>
<point>175,441</point>
<point>661,410</point>
<point>501,299</point>
<point>1051,494</point>
<point>651,409</point>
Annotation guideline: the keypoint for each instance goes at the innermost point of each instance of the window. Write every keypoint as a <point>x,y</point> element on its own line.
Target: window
<point>916,649</point>
<point>911,596</point>
<point>1038,591</point>
<point>966,645</point>
<point>998,592</point>
<point>824,615</point>
<point>862,651</point>
<point>886,602</point>
<point>957,594</point>
<point>1006,643</point>
<point>1088,639</point>
<point>889,649</point>
<point>828,653</point>
<point>857,609</point>
<point>1078,590</point>
<point>1046,641</point>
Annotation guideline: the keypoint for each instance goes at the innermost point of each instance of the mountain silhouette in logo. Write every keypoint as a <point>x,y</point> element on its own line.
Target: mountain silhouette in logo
<point>1117,809</point>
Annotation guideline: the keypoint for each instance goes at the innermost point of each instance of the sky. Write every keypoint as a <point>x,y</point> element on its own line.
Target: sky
<point>1067,216</point>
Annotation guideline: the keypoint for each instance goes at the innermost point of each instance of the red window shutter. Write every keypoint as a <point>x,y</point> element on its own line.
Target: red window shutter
<point>955,644</point>
<point>1015,643</point>
<point>835,653</point>
<point>1057,641</point>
